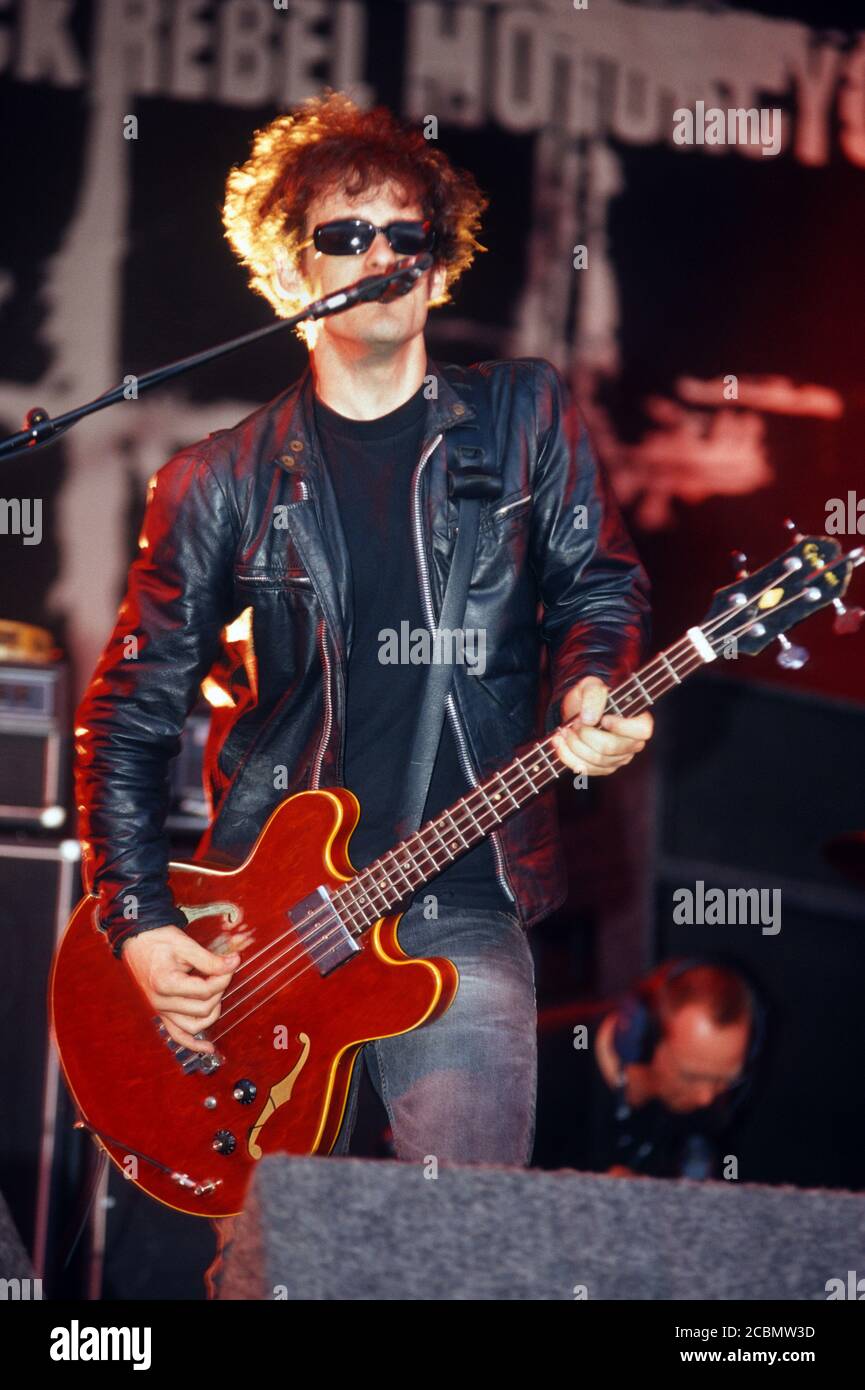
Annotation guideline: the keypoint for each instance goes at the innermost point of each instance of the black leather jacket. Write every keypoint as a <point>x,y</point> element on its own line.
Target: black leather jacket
<point>242,581</point>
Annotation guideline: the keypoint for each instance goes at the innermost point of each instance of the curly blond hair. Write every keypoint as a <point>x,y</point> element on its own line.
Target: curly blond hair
<point>329,142</point>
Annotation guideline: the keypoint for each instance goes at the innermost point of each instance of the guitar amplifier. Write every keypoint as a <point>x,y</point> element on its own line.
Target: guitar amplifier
<point>43,1160</point>
<point>35,752</point>
<point>34,745</point>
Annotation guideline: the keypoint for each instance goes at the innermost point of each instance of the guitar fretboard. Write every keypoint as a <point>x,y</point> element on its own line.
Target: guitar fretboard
<point>384,884</point>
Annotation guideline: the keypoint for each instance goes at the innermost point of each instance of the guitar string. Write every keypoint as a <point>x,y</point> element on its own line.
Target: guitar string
<point>694,664</point>
<point>477,814</point>
<point>684,647</point>
<point>300,941</point>
<point>297,949</point>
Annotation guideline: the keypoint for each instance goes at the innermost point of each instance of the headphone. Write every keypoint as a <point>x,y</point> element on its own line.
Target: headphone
<point>638,1029</point>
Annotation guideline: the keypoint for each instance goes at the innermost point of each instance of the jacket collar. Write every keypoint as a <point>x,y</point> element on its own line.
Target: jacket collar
<point>299,452</point>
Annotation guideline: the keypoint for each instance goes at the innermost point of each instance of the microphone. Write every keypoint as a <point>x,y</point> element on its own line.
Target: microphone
<point>405,277</point>
<point>387,287</point>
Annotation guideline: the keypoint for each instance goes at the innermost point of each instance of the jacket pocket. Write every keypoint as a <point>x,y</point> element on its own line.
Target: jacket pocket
<point>251,579</point>
<point>515,507</point>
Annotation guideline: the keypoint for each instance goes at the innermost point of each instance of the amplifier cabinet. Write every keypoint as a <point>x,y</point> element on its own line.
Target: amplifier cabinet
<point>34,745</point>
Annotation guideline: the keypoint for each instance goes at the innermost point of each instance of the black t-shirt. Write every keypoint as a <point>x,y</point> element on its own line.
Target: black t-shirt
<point>370,463</point>
<point>584,1123</point>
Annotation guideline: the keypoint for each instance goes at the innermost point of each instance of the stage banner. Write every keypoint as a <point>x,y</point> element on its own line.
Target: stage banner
<point>676,220</point>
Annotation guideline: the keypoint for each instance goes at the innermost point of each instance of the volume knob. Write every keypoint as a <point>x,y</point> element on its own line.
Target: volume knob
<point>245,1091</point>
<point>224,1142</point>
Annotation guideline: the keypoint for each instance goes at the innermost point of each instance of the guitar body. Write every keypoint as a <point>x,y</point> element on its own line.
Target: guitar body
<point>288,1035</point>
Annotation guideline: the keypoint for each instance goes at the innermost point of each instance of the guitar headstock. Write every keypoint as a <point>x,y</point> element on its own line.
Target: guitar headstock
<point>763,605</point>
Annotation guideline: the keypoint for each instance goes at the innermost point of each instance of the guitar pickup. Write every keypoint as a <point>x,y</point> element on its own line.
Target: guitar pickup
<point>321,931</point>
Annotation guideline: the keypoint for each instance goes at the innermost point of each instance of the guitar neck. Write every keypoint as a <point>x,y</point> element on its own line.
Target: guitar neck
<point>385,883</point>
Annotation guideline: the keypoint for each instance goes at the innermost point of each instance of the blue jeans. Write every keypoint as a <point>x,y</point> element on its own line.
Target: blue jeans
<point>462,1088</point>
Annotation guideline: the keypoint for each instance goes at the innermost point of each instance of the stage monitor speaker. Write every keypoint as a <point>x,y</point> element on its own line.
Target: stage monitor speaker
<point>345,1229</point>
<point>42,1160</point>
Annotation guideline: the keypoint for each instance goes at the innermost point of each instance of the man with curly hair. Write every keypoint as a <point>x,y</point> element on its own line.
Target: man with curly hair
<point>285,622</point>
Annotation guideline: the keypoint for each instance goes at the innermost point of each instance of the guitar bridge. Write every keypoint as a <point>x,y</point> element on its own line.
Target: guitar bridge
<point>321,931</point>
<point>189,1061</point>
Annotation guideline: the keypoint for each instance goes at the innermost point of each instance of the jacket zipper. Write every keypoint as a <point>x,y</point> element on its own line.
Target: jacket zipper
<point>450,705</point>
<point>327,725</point>
<point>328,706</point>
<point>269,579</point>
<point>519,503</point>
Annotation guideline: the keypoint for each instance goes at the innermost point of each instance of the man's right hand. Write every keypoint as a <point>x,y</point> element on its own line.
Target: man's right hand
<point>182,981</point>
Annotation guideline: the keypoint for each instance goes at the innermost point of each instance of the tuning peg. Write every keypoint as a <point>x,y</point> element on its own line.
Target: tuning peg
<point>790,525</point>
<point>791,657</point>
<point>739,561</point>
<point>846,620</point>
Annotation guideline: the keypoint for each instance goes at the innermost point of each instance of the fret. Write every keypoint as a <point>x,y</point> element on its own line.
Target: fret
<point>517,766</point>
<point>501,779</point>
<point>348,892</point>
<point>629,700</point>
<point>344,906</point>
<point>429,854</point>
<point>671,669</point>
<point>550,764</point>
<point>464,805</point>
<point>614,706</point>
<point>368,889</point>
<point>434,829</point>
<point>385,890</point>
<point>537,766</point>
<point>643,688</point>
<point>455,827</point>
<point>392,854</point>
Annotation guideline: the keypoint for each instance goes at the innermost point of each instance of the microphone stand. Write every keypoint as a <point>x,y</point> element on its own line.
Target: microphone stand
<point>41,429</point>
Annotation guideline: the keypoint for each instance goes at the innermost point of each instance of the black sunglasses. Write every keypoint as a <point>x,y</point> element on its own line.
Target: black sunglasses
<point>351,236</point>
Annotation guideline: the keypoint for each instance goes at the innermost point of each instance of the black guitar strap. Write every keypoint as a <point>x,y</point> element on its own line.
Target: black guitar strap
<point>473,476</point>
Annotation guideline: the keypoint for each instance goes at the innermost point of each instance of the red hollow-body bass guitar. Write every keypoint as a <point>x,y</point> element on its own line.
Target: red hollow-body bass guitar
<point>321,970</point>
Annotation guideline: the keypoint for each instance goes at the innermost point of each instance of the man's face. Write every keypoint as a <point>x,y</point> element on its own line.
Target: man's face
<point>696,1061</point>
<point>373,327</point>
